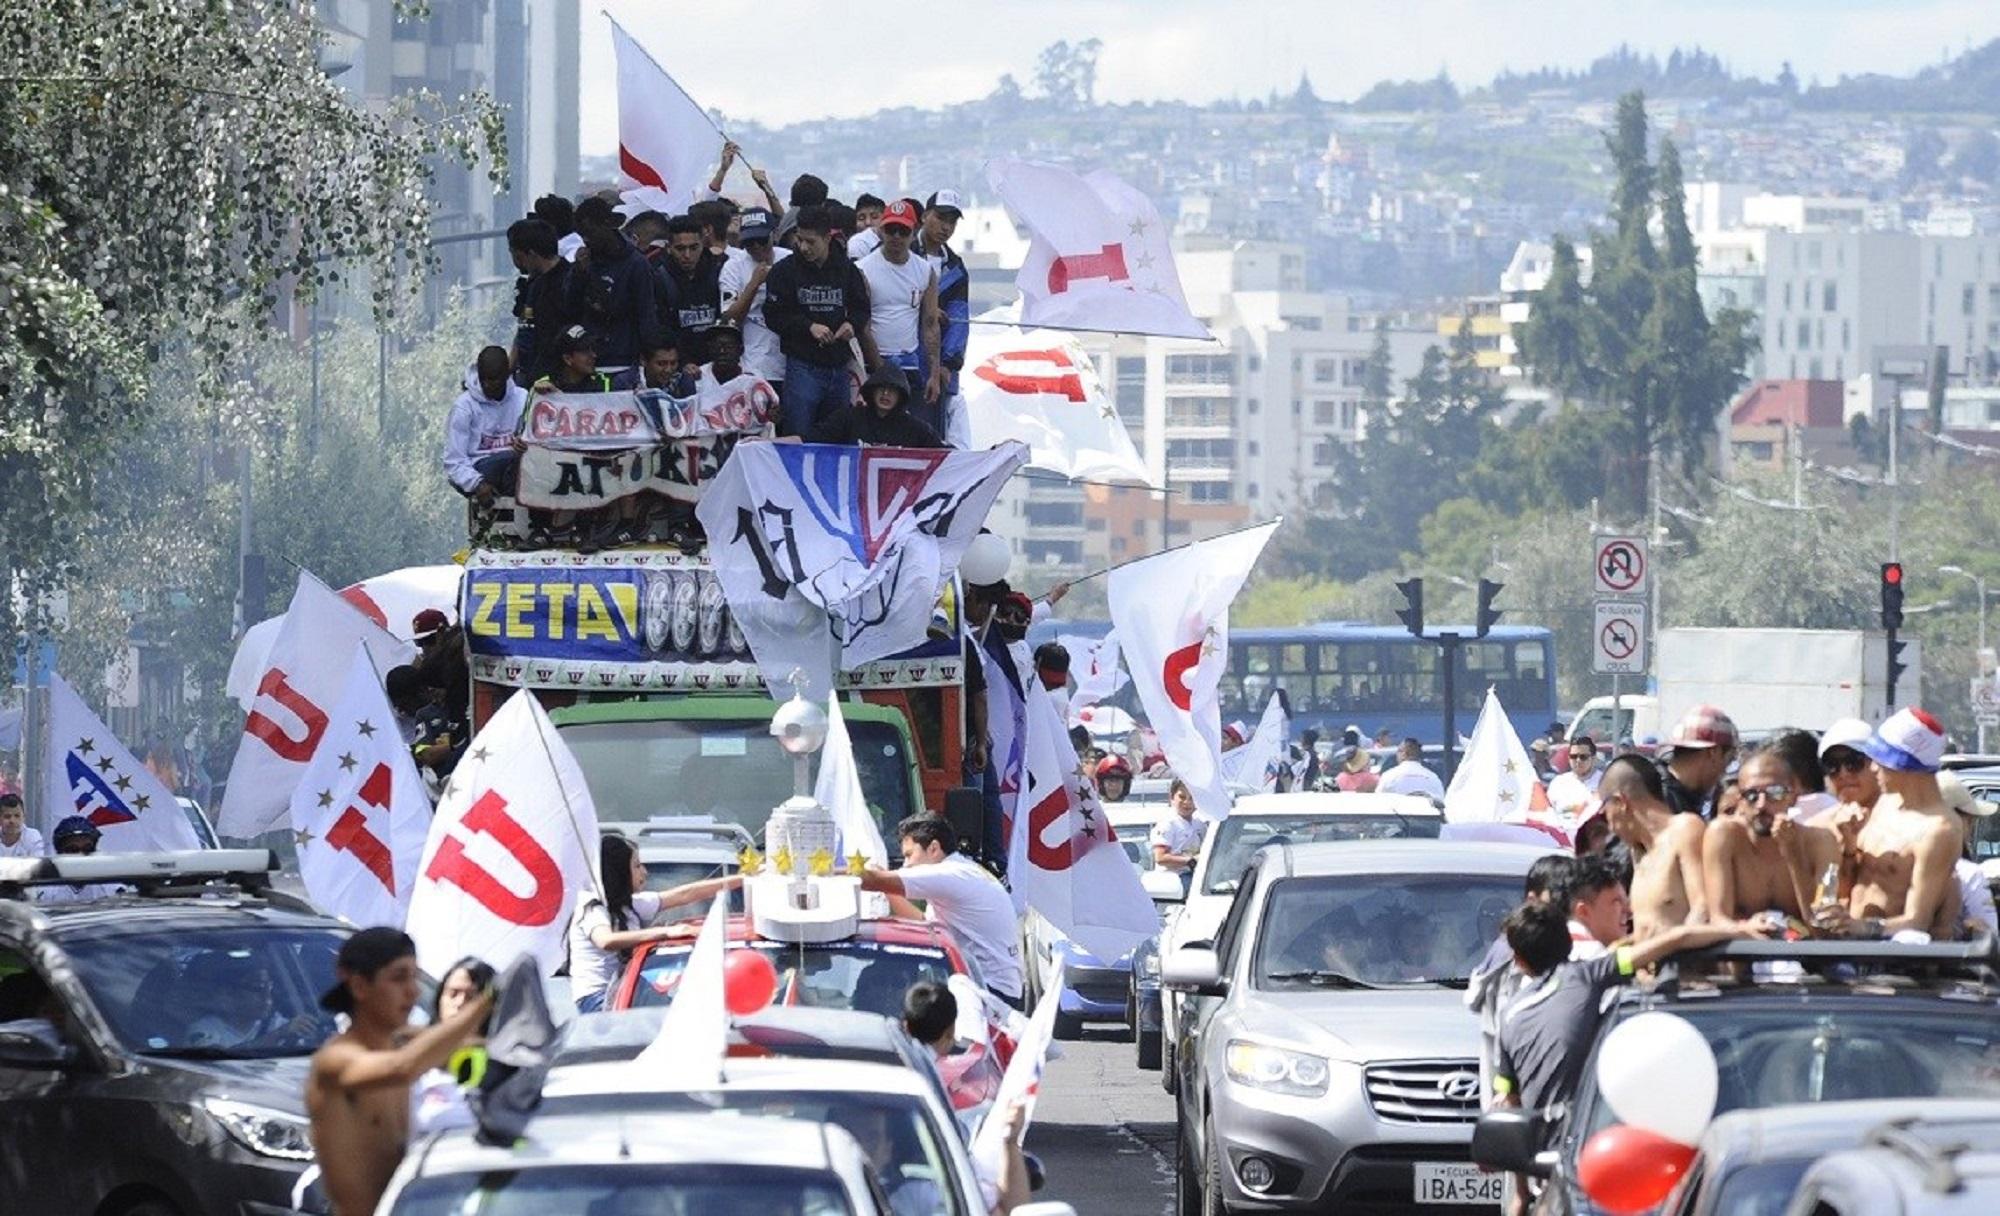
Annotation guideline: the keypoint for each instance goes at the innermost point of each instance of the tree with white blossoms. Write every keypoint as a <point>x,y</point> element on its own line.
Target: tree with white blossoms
<point>172,174</point>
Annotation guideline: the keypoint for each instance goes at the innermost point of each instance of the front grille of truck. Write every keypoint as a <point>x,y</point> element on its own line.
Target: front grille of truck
<point>1424,1091</point>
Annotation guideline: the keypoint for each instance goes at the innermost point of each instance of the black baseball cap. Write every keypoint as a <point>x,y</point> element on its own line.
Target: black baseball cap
<point>364,954</point>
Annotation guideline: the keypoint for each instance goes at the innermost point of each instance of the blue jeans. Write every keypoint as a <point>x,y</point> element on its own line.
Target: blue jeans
<point>811,393</point>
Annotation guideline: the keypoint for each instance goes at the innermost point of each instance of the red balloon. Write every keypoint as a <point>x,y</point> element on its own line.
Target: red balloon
<point>1629,1169</point>
<point>749,981</point>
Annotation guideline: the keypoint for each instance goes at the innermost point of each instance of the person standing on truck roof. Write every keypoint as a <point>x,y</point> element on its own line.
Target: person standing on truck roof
<point>1896,863</point>
<point>962,896</point>
<point>1667,885</point>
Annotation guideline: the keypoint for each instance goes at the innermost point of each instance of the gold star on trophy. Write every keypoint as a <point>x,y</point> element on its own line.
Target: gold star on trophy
<point>750,861</point>
<point>781,861</point>
<point>820,863</point>
<point>856,862</point>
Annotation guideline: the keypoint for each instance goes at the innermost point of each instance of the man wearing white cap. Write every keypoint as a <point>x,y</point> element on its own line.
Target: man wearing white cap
<point>1850,775</point>
<point>1897,865</point>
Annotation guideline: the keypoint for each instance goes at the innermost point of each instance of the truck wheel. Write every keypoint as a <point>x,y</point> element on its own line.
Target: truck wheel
<point>1068,1026</point>
<point>1211,1191</point>
<point>1149,1049</point>
<point>1187,1186</point>
<point>1168,1066</point>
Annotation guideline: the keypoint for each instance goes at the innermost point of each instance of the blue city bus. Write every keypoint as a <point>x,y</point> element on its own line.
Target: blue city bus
<point>1373,676</point>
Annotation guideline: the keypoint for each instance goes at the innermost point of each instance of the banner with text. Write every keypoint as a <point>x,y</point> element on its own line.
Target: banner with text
<point>639,621</point>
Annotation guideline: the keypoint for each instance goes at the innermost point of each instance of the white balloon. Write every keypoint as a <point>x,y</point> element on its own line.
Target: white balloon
<point>1657,1072</point>
<point>986,560</point>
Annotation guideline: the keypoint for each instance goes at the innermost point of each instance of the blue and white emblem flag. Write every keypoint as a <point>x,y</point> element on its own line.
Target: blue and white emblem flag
<point>90,773</point>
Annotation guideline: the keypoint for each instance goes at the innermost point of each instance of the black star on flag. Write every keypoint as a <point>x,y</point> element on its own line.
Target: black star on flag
<point>104,765</point>
<point>347,761</point>
<point>142,802</point>
<point>123,783</point>
<point>479,754</point>
<point>325,799</point>
<point>301,838</point>
<point>85,746</point>
<point>366,728</point>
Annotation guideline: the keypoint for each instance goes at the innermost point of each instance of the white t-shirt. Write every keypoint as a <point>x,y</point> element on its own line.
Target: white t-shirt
<point>863,243</point>
<point>760,346</point>
<point>1568,792</point>
<point>29,845</point>
<point>1179,835</point>
<point>1975,895</point>
<point>896,299</point>
<point>1582,946</point>
<point>970,902</point>
<point>1411,777</point>
<point>591,969</point>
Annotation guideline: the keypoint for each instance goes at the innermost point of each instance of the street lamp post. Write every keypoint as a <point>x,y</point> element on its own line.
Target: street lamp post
<point>1978,583</point>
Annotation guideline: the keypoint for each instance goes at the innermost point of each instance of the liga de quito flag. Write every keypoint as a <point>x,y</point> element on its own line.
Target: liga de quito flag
<point>1063,857</point>
<point>1099,257</point>
<point>512,848</point>
<point>1095,664</point>
<point>1022,1082</point>
<point>1255,764</point>
<point>360,814</point>
<point>1041,388</point>
<point>90,773</point>
<point>391,600</point>
<point>1171,612</point>
<point>694,1032</point>
<point>666,142</point>
<point>302,677</point>
<point>838,789</point>
<point>1495,781</point>
<point>828,551</point>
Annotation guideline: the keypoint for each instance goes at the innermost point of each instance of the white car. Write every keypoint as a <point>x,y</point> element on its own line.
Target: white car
<point>1300,817</point>
<point>688,849</point>
<point>904,1126</point>
<point>674,1165</point>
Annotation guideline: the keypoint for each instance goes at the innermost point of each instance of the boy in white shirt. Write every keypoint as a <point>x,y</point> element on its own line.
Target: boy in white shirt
<point>17,839</point>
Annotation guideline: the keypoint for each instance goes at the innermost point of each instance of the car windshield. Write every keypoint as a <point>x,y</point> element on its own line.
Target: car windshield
<point>245,992</point>
<point>1239,836</point>
<point>626,1190</point>
<point>1138,849</point>
<point>1880,1049</point>
<point>666,875</point>
<point>1369,930</point>
<point>894,1130</point>
<point>872,976</point>
<point>731,770</point>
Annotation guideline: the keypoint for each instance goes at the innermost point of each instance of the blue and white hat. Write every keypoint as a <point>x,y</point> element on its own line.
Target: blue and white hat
<point>1909,741</point>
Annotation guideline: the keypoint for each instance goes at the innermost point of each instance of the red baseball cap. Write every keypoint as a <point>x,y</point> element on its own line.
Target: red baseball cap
<point>899,212</point>
<point>1703,726</point>
<point>428,622</point>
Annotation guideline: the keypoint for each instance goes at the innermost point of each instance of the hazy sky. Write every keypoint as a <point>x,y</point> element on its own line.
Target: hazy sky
<point>782,61</point>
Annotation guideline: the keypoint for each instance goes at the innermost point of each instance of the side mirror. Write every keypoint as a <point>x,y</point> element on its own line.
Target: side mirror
<point>1511,1140</point>
<point>1195,969</point>
<point>1163,886</point>
<point>34,1044</point>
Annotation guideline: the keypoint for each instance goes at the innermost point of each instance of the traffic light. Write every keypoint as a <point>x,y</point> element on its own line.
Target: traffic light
<point>1489,616</point>
<point>1892,597</point>
<point>1896,666</point>
<point>1412,616</point>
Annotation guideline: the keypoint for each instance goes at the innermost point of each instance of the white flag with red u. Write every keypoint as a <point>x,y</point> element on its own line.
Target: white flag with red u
<point>666,142</point>
<point>301,679</point>
<point>1099,258</point>
<point>360,814</point>
<point>1171,612</point>
<point>512,847</point>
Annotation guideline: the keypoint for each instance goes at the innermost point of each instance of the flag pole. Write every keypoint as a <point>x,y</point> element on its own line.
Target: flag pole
<point>590,855</point>
<point>669,78</point>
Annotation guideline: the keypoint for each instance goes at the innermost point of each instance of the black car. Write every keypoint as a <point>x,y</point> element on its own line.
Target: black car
<point>1790,1022</point>
<point>154,1041</point>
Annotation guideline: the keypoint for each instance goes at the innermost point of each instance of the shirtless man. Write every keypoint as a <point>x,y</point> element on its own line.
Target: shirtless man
<point>1900,856</point>
<point>358,1094</point>
<point>1758,859</point>
<point>1667,887</point>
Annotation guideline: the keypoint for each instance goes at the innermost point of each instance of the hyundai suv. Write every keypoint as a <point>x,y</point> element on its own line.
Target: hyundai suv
<point>154,1044</point>
<point>1326,1061</point>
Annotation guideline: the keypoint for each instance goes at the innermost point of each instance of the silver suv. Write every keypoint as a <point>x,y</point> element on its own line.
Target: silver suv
<point>1326,1058</point>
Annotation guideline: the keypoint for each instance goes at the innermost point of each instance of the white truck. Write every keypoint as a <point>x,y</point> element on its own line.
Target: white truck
<point>1765,679</point>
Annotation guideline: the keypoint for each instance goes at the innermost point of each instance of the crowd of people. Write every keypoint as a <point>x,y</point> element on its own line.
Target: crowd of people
<point>855,317</point>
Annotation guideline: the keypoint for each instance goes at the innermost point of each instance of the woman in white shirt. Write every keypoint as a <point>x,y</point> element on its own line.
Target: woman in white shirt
<point>611,922</point>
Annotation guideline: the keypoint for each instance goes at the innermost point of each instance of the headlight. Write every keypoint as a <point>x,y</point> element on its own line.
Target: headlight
<point>1275,1068</point>
<point>267,1132</point>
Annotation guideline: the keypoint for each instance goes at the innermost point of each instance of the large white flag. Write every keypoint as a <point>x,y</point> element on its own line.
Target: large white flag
<point>826,550</point>
<point>512,847</point>
<point>391,600</point>
<point>666,142</point>
<point>1171,611</point>
<point>1495,781</point>
<point>1255,764</point>
<point>1063,858</point>
<point>1022,1082</point>
<point>360,814</point>
<point>1041,388</point>
<point>1099,258</point>
<point>1097,670</point>
<point>839,791</point>
<point>694,1033</point>
<point>90,773</point>
<point>304,673</point>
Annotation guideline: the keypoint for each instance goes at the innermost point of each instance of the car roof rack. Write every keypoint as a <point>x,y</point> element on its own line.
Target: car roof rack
<point>246,869</point>
<point>1975,959</point>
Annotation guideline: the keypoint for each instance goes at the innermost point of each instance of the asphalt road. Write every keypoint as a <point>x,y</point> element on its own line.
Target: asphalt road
<point>1104,1131</point>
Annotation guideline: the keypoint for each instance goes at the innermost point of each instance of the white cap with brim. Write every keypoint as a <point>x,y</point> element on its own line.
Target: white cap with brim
<point>1847,733</point>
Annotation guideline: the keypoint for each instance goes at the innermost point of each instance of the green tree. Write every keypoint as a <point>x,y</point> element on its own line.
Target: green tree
<point>1557,340</point>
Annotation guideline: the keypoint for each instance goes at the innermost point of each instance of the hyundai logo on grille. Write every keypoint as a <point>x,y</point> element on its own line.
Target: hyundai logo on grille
<point>1459,1086</point>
